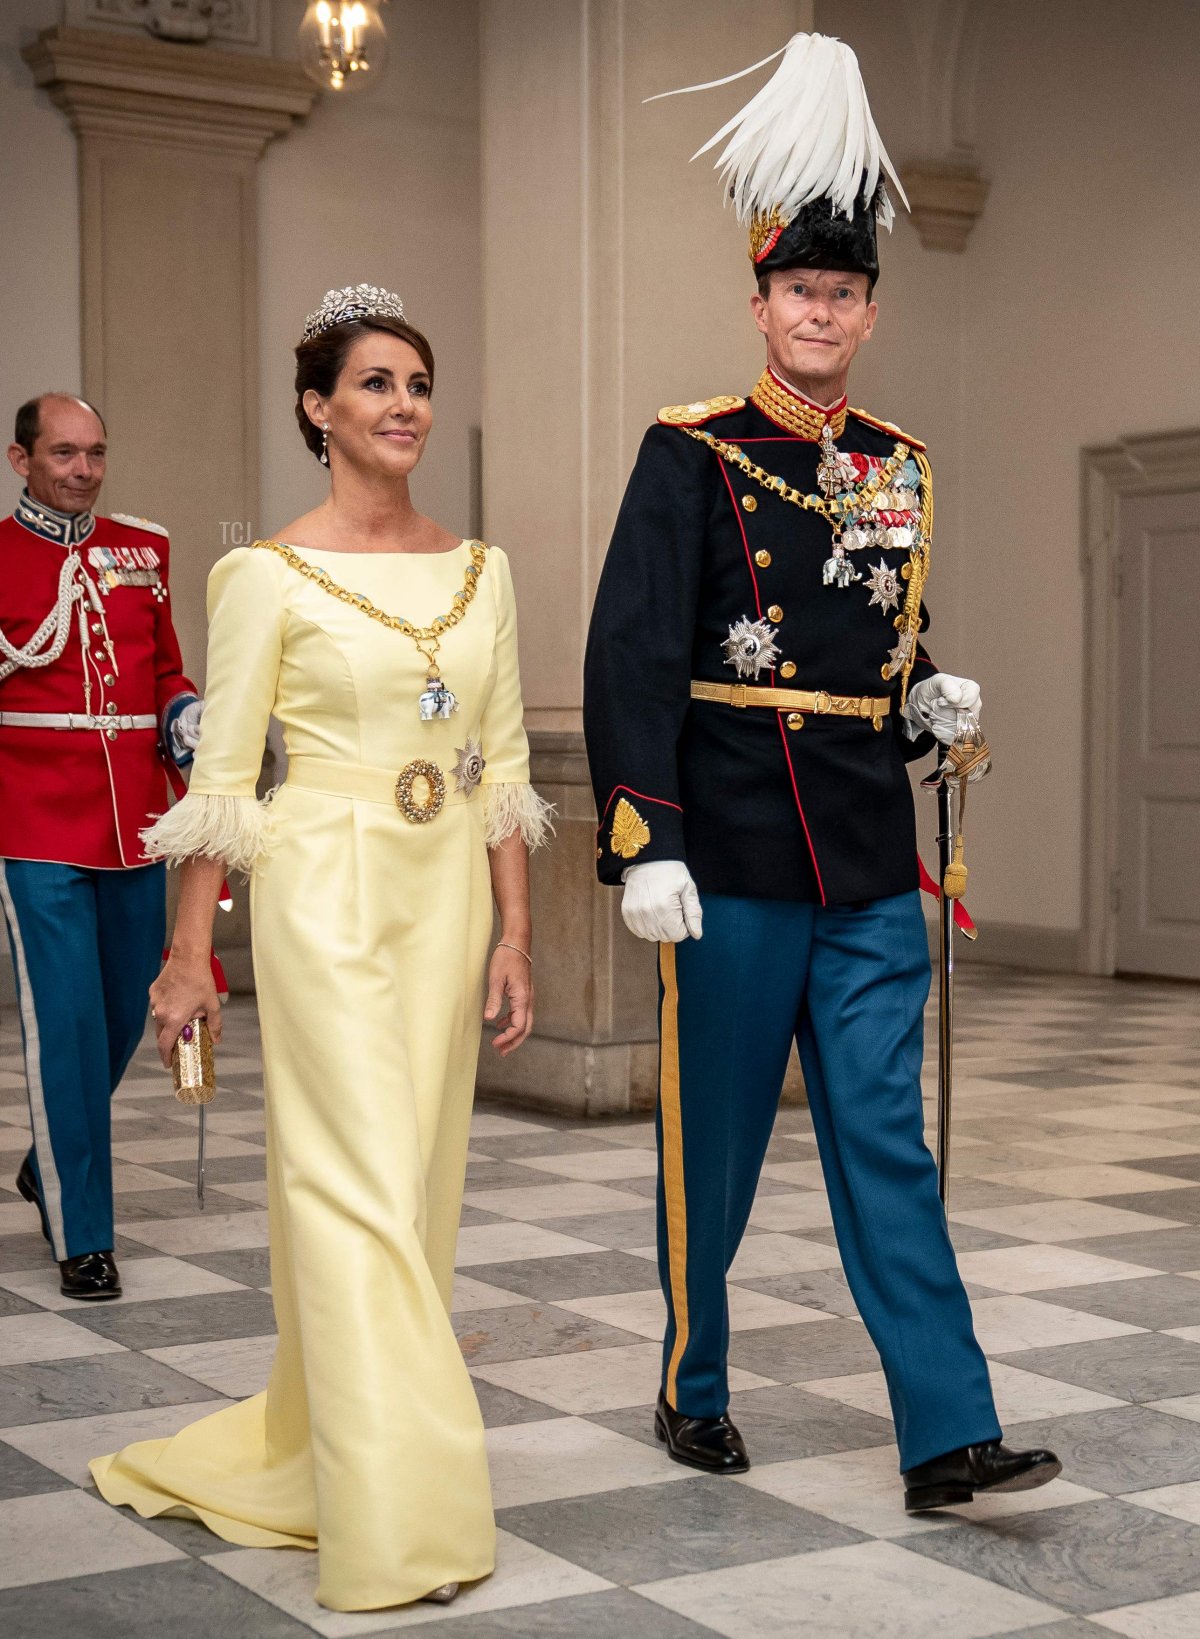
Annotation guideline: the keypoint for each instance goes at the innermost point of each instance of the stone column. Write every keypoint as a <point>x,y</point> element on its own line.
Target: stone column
<point>169,142</point>
<point>613,284</point>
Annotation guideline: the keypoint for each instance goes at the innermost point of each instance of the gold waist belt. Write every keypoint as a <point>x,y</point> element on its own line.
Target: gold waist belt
<point>817,702</point>
<point>418,790</point>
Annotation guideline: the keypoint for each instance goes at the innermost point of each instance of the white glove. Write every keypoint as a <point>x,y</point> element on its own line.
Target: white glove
<point>185,728</point>
<point>938,704</point>
<point>661,902</point>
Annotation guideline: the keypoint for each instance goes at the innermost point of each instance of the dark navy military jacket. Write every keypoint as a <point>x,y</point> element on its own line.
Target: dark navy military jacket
<point>819,810</point>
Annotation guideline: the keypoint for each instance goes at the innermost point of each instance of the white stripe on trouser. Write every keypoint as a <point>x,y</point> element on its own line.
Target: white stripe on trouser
<point>51,1187</point>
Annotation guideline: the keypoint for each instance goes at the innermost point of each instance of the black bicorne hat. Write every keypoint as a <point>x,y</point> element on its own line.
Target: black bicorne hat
<point>804,163</point>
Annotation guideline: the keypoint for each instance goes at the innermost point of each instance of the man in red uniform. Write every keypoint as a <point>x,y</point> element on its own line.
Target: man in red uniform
<point>92,702</point>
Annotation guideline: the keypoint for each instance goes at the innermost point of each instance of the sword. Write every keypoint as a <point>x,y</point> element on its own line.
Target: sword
<point>200,1158</point>
<point>945,841</point>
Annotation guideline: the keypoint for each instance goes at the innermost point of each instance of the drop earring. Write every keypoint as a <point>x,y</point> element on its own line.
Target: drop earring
<point>325,444</point>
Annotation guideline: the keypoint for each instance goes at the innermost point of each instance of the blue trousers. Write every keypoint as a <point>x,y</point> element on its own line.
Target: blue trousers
<point>850,985</point>
<point>86,946</point>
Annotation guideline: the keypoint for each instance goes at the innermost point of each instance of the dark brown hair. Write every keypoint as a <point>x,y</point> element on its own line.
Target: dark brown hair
<point>29,418</point>
<point>320,362</point>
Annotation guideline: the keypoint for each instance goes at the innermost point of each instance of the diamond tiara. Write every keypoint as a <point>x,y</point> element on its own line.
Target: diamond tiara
<point>354,302</point>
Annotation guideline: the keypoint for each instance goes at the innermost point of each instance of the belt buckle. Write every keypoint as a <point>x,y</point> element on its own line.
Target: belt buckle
<point>737,695</point>
<point>822,703</point>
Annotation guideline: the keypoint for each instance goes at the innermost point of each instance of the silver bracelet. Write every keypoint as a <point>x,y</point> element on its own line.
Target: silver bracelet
<point>503,945</point>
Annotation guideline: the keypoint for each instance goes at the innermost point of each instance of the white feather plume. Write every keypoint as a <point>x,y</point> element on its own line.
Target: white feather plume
<point>808,134</point>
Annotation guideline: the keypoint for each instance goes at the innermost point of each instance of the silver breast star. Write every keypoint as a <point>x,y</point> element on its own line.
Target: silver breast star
<point>885,587</point>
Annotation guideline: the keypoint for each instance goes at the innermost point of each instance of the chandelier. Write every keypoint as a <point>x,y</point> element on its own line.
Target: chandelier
<point>343,44</point>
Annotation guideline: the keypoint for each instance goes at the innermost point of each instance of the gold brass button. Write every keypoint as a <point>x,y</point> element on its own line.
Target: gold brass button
<point>775,613</point>
<point>599,853</point>
<point>906,571</point>
<point>109,679</point>
<point>110,733</point>
<point>788,669</point>
<point>749,502</point>
<point>763,560</point>
<point>898,622</point>
<point>795,719</point>
<point>885,671</point>
<point>111,708</point>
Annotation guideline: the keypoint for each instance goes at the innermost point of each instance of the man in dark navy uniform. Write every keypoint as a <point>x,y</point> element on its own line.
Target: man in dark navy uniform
<point>755,685</point>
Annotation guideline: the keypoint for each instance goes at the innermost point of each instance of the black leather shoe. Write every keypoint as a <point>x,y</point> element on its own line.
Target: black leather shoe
<point>710,1443</point>
<point>27,1185</point>
<point>92,1275</point>
<point>957,1475</point>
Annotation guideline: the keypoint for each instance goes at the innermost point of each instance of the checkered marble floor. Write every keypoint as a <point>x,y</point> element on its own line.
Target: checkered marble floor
<point>1076,1211</point>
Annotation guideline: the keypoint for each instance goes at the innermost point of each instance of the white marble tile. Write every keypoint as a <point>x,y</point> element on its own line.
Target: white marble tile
<point>1174,1618</point>
<point>13,1140</point>
<point>804,1174</point>
<point>146,1151</point>
<point>570,1457</point>
<point>1061,1220</point>
<point>206,1232</point>
<point>1038,1268</point>
<point>863,1489</point>
<point>230,1122</point>
<point>255,1193</point>
<point>1082,1182</point>
<point>142,1279</point>
<point>1190,1334</point>
<point>760,1256</point>
<point>1183,1405</point>
<point>478,1294</point>
<point>503,1126</point>
<point>1179,1501</point>
<point>1123,1117</point>
<point>26,1338</point>
<point>65,1447</point>
<point>637,1134</point>
<point>1021,1397</point>
<point>236,1367</point>
<point>552,1201</point>
<point>130,1179</point>
<point>596,1166</point>
<point>1006,1324</point>
<point>19,1218</point>
<point>597,1380</point>
<point>524,1575</point>
<point>512,1242</point>
<point>64,1533</point>
<point>862,1592</point>
<point>645,1312</point>
<point>1101,1147</point>
<point>808,1210</point>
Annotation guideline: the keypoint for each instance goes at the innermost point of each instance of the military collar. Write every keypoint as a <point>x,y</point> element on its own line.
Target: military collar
<point>793,412</point>
<point>69,529</point>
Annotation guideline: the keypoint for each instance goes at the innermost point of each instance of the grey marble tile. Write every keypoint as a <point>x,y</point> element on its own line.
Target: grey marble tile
<point>576,1275</point>
<point>1169,1249</point>
<point>586,1616</point>
<point>218,1169</point>
<point>250,1265</point>
<point>489,1335</point>
<point>151,1205</point>
<point>967,1238</point>
<point>651,1531</point>
<point>1181,1204</point>
<point>794,1354</point>
<point>159,1325</point>
<point>1176,1166</point>
<point>779,1424</point>
<point>981,1192</point>
<point>11,1304</point>
<point>1074,1627</point>
<point>20,1476</point>
<point>615,1229</point>
<point>88,1386</point>
<point>824,1289</point>
<point>188,1535</point>
<point>501,1174</point>
<point>1127,1448</point>
<point>502,1407</point>
<point>186,1599</point>
<point>1159,1302</point>
<point>1140,1367</point>
<point>1084,1558</point>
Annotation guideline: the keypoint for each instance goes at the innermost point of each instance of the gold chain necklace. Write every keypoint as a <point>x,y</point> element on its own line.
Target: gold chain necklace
<point>834,508</point>
<point>437,701</point>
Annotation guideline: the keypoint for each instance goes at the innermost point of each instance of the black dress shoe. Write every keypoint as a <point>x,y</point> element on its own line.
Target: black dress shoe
<point>92,1275</point>
<point>27,1185</point>
<point>710,1443</point>
<point>957,1475</point>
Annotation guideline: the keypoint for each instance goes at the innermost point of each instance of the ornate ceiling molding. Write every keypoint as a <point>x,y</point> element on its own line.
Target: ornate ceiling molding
<point>111,84</point>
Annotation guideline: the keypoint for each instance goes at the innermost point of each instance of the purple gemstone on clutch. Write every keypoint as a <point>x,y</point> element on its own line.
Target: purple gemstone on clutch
<point>186,1033</point>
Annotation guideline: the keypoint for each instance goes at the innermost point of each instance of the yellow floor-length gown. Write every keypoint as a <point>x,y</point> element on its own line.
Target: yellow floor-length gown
<point>370,938</point>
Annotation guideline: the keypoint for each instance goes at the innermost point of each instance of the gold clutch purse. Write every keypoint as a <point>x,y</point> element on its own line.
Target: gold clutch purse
<point>192,1064</point>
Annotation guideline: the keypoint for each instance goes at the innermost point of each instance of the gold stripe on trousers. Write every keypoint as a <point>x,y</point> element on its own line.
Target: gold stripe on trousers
<point>672,1163</point>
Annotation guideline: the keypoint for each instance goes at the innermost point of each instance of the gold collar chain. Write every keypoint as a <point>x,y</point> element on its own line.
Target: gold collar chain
<point>834,508</point>
<point>793,413</point>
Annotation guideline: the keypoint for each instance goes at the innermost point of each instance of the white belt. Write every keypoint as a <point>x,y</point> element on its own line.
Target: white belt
<point>74,720</point>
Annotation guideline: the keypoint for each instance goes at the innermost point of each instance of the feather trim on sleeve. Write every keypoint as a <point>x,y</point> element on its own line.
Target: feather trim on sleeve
<point>235,829</point>
<point>509,807</point>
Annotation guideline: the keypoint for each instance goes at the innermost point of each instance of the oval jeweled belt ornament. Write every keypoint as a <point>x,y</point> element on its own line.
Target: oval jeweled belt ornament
<point>420,812</point>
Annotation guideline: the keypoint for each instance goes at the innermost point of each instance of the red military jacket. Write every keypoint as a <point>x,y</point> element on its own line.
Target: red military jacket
<point>80,796</point>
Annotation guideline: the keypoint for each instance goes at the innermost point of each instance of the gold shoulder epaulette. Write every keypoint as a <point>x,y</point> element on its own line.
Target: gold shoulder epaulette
<point>704,409</point>
<point>131,522</point>
<point>888,427</point>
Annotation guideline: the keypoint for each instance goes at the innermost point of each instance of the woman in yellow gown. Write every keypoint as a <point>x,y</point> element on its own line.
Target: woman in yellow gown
<point>373,871</point>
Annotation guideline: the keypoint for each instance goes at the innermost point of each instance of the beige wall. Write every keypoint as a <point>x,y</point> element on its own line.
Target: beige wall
<point>1069,321</point>
<point>39,210</point>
